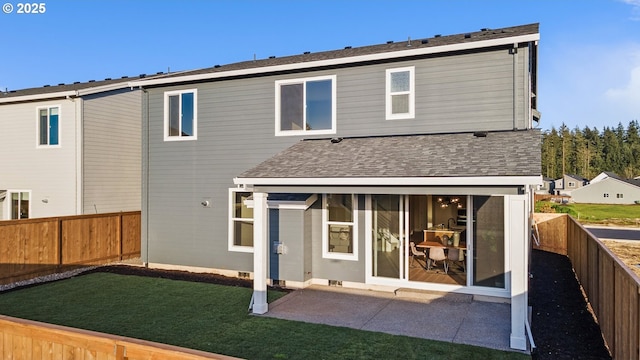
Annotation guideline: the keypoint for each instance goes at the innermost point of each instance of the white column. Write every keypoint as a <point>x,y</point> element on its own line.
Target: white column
<point>260,253</point>
<point>518,220</point>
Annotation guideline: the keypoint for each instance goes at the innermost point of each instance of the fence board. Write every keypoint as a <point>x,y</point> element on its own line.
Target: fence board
<point>34,247</point>
<point>611,287</point>
<point>553,232</point>
<point>25,339</point>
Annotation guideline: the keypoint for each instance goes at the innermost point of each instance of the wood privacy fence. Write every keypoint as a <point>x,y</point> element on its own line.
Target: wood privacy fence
<point>611,287</point>
<point>25,339</point>
<point>34,247</point>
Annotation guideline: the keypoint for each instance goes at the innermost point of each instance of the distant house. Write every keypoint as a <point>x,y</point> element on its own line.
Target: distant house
<point>547,187</point>
<point>70,149</point>
<point>568,183</point>
<point>608,188</point>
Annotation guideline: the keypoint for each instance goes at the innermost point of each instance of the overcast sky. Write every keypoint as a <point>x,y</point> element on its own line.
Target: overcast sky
<point>589,62</point>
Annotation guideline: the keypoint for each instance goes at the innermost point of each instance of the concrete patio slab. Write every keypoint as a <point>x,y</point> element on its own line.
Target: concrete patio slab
<point>457,319</point>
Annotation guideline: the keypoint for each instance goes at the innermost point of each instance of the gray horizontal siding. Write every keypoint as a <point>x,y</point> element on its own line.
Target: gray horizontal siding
<point>236,128</point>
<point>112,152</point>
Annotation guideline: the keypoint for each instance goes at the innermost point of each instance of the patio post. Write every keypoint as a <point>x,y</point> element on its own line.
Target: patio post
<point>518,219</point>
<point>260,252</point>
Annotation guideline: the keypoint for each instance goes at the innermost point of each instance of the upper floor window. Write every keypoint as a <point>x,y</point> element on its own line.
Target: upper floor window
<point>240,221</point>
<point>606,195</point>
<point>400,93</point>
<point>339,218</point>
<point>305,106</point>
<point>619,196</point>
<point>49,126</point>
<point>181,115</point>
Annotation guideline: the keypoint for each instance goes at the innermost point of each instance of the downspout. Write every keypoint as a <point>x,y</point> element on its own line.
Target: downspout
<point>145,174</point>
<point>514,53</point>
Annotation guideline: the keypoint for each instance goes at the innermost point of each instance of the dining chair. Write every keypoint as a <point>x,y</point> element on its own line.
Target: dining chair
<point>436,253</point>
<point>415,253</point>
<point>457,256</point>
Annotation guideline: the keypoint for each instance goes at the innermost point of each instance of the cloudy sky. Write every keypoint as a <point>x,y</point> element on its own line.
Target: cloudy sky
<point>589,65</point>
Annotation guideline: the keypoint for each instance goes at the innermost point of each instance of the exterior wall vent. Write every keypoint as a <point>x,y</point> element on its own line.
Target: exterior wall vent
<point>280,283</point>
<point>337,283</point>
<point>243,275</point>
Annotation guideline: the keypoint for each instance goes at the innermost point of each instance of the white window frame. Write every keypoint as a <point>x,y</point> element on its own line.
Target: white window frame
<point>7,203</point>
<point>325,231</point>
<point>412,94</point>
<point>279,83</point>
<point>48,108</point>
<point>233,219</point>
<point>166,115</point>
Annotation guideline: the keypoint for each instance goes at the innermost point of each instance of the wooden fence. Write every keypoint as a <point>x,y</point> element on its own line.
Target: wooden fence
<point>611,287</point>
<point>25,339</point>
<point>34,247</point>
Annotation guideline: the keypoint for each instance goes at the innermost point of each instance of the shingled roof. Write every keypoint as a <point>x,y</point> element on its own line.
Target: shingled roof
<point>508,153</point>
<point>75,86</point>
<point>391,48</point>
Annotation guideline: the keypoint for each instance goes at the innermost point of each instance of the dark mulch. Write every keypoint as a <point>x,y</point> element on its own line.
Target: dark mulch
<point>562,325</point>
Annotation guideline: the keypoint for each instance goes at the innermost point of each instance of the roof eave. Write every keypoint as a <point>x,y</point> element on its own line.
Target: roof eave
<point>341,61</point>
<point>53,95</point>
<point>397,181</point>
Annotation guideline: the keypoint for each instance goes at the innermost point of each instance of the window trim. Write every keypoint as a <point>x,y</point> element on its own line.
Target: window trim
<point>166,115</point>
<point>231,228</point>
<point>279,83</point>
<point>48,108</point>
<point>412,94</point>
<point>8,200</point>
<point>325,233</point>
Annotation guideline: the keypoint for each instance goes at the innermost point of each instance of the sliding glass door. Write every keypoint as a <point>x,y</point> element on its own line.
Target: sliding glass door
<point>387,234</point>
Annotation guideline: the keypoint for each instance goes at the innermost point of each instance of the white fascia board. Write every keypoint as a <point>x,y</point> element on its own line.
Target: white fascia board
<point>104,88</point>
<point>287,205</point>
<point>340,61</point>
<point>398,181</point>
<point>53,95</point>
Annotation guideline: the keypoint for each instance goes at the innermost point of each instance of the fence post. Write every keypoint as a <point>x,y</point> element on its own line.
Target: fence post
<point>120,236</point>
<point>59,222</point>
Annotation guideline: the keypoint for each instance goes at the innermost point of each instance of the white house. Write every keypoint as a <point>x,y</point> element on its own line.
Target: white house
<point>70,149</point>
<point>608,188</point>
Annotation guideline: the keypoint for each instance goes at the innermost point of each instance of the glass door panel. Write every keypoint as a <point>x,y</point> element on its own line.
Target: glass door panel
<point>488,241</point>
<point>387,236</point>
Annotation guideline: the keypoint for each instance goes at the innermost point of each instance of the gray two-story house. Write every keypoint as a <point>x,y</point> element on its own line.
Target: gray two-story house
<point>351,167</point>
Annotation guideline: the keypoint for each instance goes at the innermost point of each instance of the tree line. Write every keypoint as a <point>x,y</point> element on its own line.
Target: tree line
<point>588,152</point>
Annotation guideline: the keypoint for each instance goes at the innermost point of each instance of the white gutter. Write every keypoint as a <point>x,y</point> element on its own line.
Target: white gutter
<point>397,181</point>
<point>68,93</point>
<point>104,88</point>
<point>60,94</point>
<point>340,61</point>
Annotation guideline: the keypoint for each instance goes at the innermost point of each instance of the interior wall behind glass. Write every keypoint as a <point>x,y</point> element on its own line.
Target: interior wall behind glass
<point>488,238</point>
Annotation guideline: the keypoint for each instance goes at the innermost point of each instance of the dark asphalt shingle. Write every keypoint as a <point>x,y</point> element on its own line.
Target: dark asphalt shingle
<point>508,153</point>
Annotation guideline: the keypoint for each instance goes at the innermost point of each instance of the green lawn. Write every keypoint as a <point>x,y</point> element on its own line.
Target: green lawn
<point>212,318</point>
<point>596,213</point>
